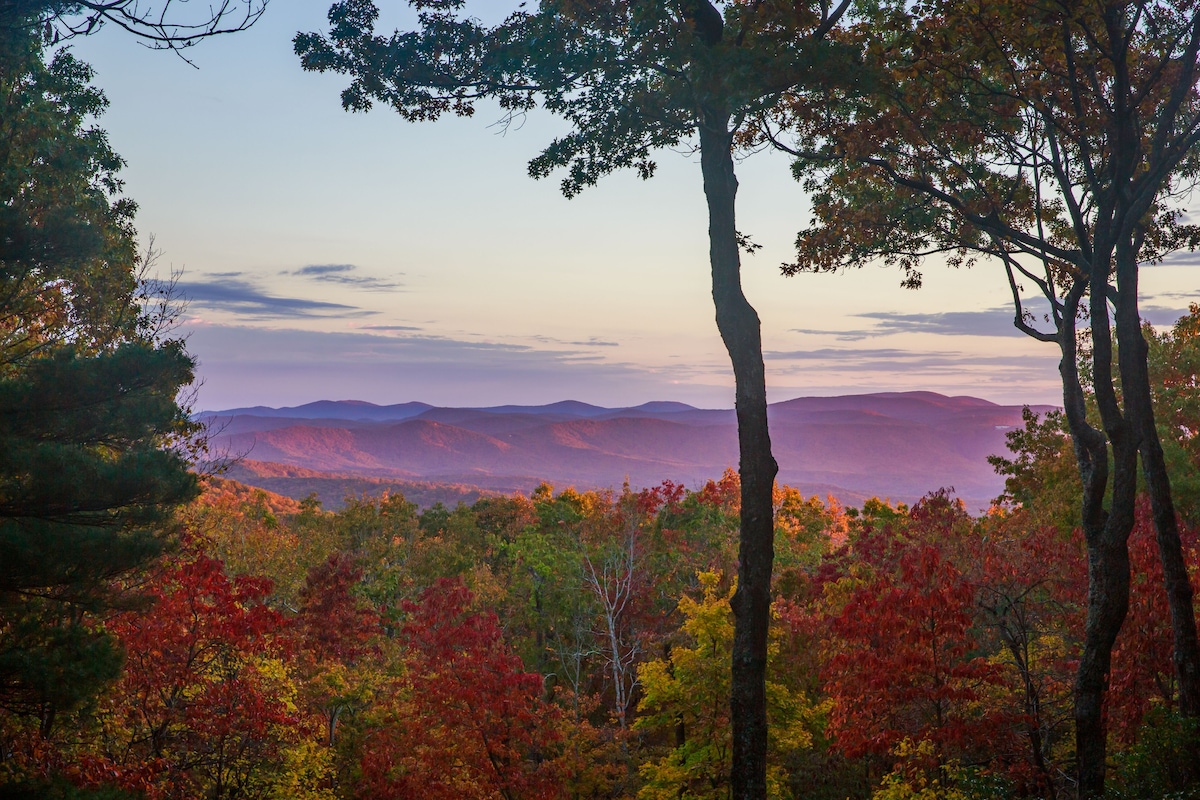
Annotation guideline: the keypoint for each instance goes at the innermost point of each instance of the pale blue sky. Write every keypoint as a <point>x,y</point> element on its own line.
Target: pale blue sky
<point>356,256</point>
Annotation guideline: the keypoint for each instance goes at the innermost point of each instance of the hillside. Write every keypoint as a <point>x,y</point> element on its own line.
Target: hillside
<point>333,488</point>
<point>898,445</point>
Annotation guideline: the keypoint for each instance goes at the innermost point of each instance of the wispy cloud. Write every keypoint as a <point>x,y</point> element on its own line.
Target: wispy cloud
<point>988,322</point>
<point>324,269</point>
<point>826,353</point>
<point>230,293</point>
<point>843,335</point>
<point>893,360</point>
<point>1163,315</point>
<point>1181,258</point>
<point>342,274</point>
<point>594,341</point>
<point>389,328</point>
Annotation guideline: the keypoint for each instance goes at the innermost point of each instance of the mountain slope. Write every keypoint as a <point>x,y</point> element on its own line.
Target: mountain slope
<point>897,445</point>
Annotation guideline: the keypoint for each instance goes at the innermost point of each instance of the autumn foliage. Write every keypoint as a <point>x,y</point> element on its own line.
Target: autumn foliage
<point>466,721</point>
<point>576,644</point>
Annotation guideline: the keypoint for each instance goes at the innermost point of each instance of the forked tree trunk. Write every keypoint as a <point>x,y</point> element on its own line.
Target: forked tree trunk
<point>1107,534</point>
<point>739,326</point>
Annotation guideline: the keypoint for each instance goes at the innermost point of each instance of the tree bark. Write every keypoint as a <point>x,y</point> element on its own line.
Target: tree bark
<point>1178,586</point>
<point>740,330</point>
<point>1108,602</point>
<point>1106,531</point>
<point>1139,408</point>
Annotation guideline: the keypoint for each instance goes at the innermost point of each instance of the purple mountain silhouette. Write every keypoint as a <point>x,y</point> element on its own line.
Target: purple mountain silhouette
<point>899,445</point>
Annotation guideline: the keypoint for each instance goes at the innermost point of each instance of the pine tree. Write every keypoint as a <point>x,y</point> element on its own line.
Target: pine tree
<point>91,434</point>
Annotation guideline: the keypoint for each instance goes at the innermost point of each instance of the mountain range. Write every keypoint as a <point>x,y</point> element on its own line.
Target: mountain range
<point>898,445</point>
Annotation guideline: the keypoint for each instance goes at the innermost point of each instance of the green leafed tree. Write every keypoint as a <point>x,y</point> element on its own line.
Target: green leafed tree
<point>630,77</point>
<point>92,438</point>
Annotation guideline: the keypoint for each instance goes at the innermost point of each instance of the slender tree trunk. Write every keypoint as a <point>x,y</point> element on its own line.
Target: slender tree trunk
<point>1139,408</point>
<point>1175,574</point>
<point>739,326</point>
<point>1106,532</point>
<point>1017,642</point>
<point>1108,602</point>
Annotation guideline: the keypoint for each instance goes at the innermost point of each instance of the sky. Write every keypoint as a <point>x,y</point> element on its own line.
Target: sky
<point>330,255</point>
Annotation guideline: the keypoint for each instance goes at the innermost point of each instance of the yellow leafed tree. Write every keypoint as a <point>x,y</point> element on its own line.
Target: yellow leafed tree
<point>686,695</point>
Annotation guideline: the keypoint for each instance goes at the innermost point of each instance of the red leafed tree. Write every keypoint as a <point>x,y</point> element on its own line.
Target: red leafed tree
<point>1143,672</point>
<point>334,624</point>
<point>1031,586</point>
<point>902,660</point>
<point>467,721</point>
<point>668,495</point>
<point>903,667</point>
<point>336,635</point>
<point>724,493</point>
<point>199,696</point>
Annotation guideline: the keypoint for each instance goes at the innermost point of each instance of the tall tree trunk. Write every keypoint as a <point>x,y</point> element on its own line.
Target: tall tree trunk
<point>739,326</point>
<point>1106,535</point>
<point>1108,602</point>
<point>1139,408</point>
<point>1178,586</point>
<point>1106,532</point>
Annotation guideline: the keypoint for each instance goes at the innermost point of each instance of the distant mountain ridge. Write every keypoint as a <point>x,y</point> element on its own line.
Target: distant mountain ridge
<point>360,410</point>
<point>329,409</point>
<point>891,444</point>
